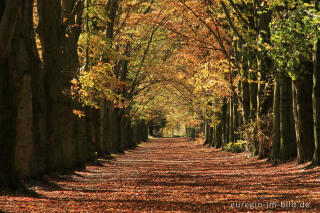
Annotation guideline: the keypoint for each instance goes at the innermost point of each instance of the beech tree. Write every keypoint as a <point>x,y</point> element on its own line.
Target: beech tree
<point>9,18</point>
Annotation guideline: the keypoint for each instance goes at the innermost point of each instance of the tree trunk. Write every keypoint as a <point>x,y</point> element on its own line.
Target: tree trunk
<point>246,100</point>
<point>79,140</point>
<point>211,139</point>
<point>8,18</point>
<point>25,64</point>
<point>236,118</point>
<point>227,122</point>
<point>224,123</point>
<point>59,30</point>
<point>111,129</point>
<point>51,34</point>
<point>303,115</point>
<point>89,133</point>
<point>102,129</point>
<point>8,105</point>
<point>8,118</point>
<point>316,100</point>
<point>231,121</point>
<point>218,142</point>
<point>117,125</point>
<point>288,145</point>
<point>207,132</point>
<point>73,125</point>
<point>253,88</point>
<point>275,151</point>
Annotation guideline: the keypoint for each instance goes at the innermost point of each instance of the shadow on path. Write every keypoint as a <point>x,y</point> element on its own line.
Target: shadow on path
<point>176,175</point>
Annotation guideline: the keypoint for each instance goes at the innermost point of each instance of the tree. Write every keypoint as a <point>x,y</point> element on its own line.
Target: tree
<point>9,17</point>
<point>316,98</point>
<point>59,30</point>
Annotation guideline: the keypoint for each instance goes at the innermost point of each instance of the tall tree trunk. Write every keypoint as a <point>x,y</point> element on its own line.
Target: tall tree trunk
<point>240,113</point>
<point>111,129</point>
<point>51,34</point>
<point>245,89</point>
<point>89,133</point>
<point>316,98</point>
<point>8,18</point>
<point>288,145</point>
<point>211,139</point>
<point>117,122</point>
<point>102,149</point>
<point>207,132</point>
<point>303,115</point>
<point>107,132</point>
<point>275,151</point>
<point>227,136</point>
<point>253,88</point>
<point>25,64</point>
<point>264,64</point>
<point>231,121</point>
<point>8,106</point>
<point>246,100</point>
<point>95,123</point>
<point>236,118</point>
<point>59,30</point>
<point>88,110</point>
<point>224,123</point>
<point>82,149</point>
<point>73,138</point>
<point>8,118</point>
<point>218,142</point>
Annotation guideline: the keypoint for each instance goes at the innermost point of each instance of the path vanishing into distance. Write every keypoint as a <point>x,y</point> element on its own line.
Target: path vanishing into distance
<point>175,175</point>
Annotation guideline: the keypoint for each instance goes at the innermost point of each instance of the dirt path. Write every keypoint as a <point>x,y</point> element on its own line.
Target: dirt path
<point>177,176</point>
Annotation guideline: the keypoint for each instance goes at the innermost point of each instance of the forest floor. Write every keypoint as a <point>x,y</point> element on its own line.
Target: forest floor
<point>176,175</point>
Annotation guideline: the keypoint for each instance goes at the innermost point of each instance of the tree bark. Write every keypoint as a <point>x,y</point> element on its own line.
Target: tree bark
<point>303,114</point>
<point>95,123</point>
<point>316,100</point>
<point>8,104</point>
<point>275,151</point>
<point>89,133</point>
<point>117,130</point>
<point>253,88</point>
<point>125,133</point>
<point>236,118</point>
<point>59,30</point>
<point>245,90</point>
<point>51,34</point>
<point>231,121</point>
<point>102,143</point>
<point>8,117</point>
<point>218,142</point>
<point>224,122</point>
<point>246,100</point>
<point>288,145</point>
<point>25,64</point>
<point>8,25</point>
<point>207,132</point>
